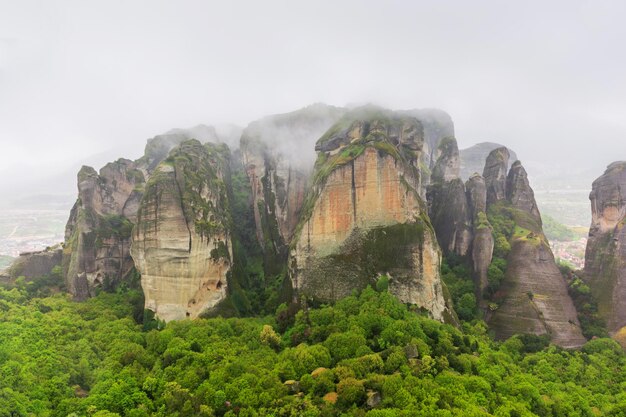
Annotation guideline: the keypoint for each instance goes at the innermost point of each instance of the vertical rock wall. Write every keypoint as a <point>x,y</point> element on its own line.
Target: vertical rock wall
<point>181,243</point>
<point>605,258</point>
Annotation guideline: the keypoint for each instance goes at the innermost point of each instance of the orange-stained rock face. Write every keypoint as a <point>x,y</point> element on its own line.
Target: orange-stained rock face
<point>365,193</point>
<point>360,208</point>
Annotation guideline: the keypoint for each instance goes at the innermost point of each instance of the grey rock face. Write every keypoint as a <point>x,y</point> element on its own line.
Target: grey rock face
<point>476,195</point>
<point>495,174</point>
<point>447,202</point>
<point>533,297</point>
<point>447,165</point>
<point>98,231</point>
<point>519,193</point>
<point>605,258</point>
<point>97,235</point>
<point>33,265</point>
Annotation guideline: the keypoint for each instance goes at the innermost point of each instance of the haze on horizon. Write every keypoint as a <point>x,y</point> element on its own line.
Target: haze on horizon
<point>89,82</point>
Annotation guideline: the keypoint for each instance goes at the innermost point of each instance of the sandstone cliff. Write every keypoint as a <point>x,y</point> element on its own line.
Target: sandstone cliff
<point>97,235</point>
<point>364,217</point>
<point>533,296</point>
<point>181,243</point>
<point>605,258</point>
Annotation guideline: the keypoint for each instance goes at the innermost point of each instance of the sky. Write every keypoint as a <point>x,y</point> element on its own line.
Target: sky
<point>87,82</point>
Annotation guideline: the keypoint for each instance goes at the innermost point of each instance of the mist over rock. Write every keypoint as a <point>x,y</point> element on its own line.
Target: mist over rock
<point>181,243</point>
<point>605,257</point>
<point>210,230</point>
<point>473,158</point>
<point>437,125</point>
<point>277,153</point>
<point>364,217</point>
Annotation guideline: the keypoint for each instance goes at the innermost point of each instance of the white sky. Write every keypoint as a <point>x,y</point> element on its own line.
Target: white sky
<point>87,81</point>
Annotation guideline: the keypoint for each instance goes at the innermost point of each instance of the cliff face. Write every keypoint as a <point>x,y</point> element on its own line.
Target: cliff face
<point>533,296</point>
<point>97,235</point>
<point>181,243</point>
<point>364,217</point>
<point>447,202</point>
<point>605,258</point>
<point>495,174</point>
<point>437,125</point>
<point>277,154</point>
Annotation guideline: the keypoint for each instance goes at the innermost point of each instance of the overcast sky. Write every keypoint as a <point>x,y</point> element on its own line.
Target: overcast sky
<point>92,80</point>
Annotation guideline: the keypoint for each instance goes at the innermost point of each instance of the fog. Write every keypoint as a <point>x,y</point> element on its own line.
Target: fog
<point>87,82</point>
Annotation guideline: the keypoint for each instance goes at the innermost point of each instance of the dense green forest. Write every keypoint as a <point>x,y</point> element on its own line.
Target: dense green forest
<point>367,355</point>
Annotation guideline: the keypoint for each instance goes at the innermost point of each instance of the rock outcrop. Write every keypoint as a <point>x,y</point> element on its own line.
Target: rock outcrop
<point>495,174</point>
<point>97,235</point>
<point>533,296</point>
<point>437,125</point>
<point>278,154</point>
<point>33,265</point>
<point>447,202</point>
<point>605,257</point>
<point>364,217</point>
<point>482,243</point>
<point>181,243</point>
<point>519,193</point>
<point>473,158</point>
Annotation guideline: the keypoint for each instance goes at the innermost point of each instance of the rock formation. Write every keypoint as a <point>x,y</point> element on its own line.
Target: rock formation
<point>278,154</point>
<point>482,243</point>
<point>447,202</point>
<point>437,125</point>
<point>495,174</point>
<point>181,242</point>
<point>473,158</point>
<point>519,193</point>
<point>97,235</point>
<point>33,265</point>
<point>605,258</point>
<point>533,296</point>
<point>364,216</point>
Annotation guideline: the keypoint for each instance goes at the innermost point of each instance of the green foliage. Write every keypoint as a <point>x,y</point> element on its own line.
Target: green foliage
<point>60,358</point>
<point>457,276</point>
<point>591,323</point>
<point>382,284</point>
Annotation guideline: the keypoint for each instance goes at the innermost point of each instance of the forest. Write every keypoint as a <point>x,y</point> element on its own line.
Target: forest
<point>366,355</point>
